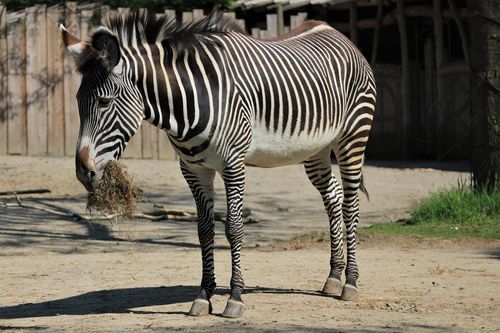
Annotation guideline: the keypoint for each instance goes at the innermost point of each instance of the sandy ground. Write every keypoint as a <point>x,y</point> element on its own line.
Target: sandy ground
<point>60,275</point>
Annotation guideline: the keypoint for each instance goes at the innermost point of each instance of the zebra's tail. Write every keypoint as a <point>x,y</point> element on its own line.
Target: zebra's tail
<point>362,187</point>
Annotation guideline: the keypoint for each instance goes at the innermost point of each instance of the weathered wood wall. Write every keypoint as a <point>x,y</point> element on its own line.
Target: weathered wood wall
<point>38,82</point>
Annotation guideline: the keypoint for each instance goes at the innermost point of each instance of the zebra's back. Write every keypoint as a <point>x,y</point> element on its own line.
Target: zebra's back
<point>296,92</point>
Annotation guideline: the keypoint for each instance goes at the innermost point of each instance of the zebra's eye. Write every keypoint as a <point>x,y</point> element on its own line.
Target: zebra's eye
<point>104,102</point>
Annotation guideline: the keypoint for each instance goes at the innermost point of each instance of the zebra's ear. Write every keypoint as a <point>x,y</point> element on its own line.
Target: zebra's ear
<point>106,44</point>
<point>71,43</point>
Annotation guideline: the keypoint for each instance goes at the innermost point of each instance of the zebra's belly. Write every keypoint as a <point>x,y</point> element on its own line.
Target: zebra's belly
<point>269,150</point>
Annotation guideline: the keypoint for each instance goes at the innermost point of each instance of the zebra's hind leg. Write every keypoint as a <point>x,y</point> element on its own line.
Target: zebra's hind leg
<point>234,181</point>
<point>319,171</point>
<point>200,181</point>
<point>350,170</point>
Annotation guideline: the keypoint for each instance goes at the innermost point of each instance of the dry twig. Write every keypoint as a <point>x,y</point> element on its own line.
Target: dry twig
<point>158,214</point>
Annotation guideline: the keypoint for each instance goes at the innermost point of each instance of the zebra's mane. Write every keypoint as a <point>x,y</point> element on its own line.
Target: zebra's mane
<point>146,27</point>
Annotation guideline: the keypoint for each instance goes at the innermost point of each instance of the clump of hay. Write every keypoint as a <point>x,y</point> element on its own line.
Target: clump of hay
<point>115,193</point>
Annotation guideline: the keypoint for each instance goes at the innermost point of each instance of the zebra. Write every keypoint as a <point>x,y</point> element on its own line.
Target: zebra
<point>227,100</point>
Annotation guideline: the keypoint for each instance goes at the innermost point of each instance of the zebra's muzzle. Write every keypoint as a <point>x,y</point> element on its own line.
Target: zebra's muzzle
<point>86,171</point>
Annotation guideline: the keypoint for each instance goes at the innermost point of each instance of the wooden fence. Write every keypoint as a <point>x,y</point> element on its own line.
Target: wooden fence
<point>38,82</point>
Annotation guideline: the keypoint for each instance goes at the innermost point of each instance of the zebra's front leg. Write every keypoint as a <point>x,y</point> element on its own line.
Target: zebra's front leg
<point>200,182</point>
<point>234,180</point>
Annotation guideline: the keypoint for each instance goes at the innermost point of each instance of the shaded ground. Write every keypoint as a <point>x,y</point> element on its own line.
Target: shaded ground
<point>59,275</point>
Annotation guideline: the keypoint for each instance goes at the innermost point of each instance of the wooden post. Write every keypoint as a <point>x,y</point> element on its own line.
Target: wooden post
<point>71,83</point>
<point>376,33</point>
<point>187,17</point>
<point>3,80</point>
<point>484,32</point>
<point>405,77</point>
<point>55,87</point>
<point>16,62</point>
<point>36,78</point>
<point>293,21</point>
<point>461,30</point>
<point>281,19</point>
<point>438,40</point>
<point>272,25</point>
<point>353,22</point>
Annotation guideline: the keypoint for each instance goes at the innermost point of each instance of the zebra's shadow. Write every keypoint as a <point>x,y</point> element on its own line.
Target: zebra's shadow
<point>124,300</point>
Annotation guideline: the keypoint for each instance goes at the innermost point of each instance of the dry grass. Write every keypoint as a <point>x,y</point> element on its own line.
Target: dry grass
<point>116,193</point>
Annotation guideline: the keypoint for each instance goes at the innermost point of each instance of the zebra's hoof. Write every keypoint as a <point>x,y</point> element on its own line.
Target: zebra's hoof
<point>200,307</point>
<point>234,309</point>
<point>332,287</point>
<point>349,292</point>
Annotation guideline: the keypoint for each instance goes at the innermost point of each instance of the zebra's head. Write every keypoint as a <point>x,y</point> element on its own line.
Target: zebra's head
<point>110,105</point>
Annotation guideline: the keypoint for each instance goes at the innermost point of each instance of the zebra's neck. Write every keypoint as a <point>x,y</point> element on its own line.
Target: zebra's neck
<point>179,90</point>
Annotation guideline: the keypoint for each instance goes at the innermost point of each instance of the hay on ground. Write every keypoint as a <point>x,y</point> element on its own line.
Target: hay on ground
<point>115,193</point>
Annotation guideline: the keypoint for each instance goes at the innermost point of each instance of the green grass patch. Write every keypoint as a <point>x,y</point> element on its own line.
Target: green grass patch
<point>458,213</point>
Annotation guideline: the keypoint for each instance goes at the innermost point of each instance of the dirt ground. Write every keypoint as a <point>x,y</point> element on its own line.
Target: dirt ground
<point>60,275</point>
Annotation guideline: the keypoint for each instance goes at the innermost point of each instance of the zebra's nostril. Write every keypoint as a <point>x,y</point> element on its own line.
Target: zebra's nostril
<point>92,174</point>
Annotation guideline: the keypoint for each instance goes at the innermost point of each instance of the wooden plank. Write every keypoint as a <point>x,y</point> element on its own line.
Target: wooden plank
<point>3,80</point>
<point>428,124</point>
<point>55,86</point>
<point>242,24</point>
<point>165,150</point>
<point>170,12</point>
<point>16,62</point>
<point>71,83</point>
<point>85,23</point>
<point>105,12</point>
<point>134,147</point>
<point>272,25</point>
<point>301,17</point>
<point>256,32</point>
<point>187,17</point>
<point>149,141</point>
<point>441,117</point>
<point>123,10</point>
<point>293,21</point>
<point>405,77</point>
<point>353,22</point>
<point>296,20</point>
<point>198,14</point>
<point>36,78</point>
<point>376,37</point>
<point>461,29</point>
